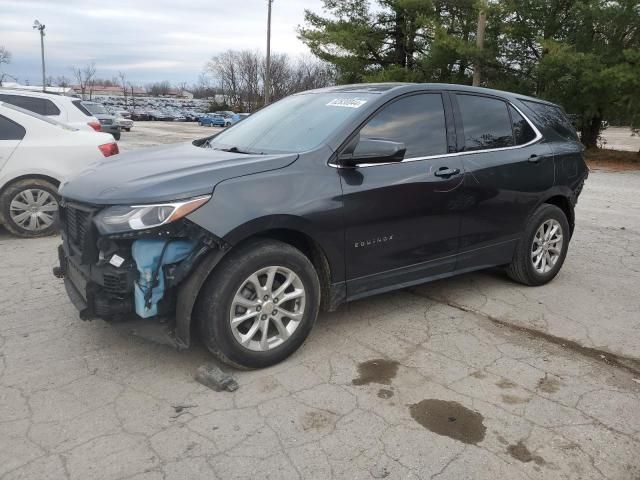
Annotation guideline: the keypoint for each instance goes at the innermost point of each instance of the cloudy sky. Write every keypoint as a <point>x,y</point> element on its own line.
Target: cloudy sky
<point>147,39</point>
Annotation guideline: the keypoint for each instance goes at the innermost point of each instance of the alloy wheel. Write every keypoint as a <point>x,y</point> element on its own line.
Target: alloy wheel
<point>267,308</point>
<point>33,209</point>
<point>546,247</point>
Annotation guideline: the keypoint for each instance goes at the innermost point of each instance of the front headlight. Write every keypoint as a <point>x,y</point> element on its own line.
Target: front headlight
<point>121,218</point>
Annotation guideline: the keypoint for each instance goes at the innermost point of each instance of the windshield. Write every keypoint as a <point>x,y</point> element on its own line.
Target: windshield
<point>95,108</point>
<point>294,124</point>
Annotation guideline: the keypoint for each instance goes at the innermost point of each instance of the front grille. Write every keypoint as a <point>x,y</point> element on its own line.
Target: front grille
<point>106,121</point>
<point>78,223</point>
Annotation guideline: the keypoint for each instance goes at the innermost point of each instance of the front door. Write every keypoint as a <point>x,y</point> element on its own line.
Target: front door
<point>401,219</point>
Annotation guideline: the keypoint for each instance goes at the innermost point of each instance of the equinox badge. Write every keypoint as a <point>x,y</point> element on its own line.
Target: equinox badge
<point>373,241</point>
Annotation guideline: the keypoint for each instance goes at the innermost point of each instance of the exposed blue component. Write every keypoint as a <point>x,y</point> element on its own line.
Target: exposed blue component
<point>150,257</point>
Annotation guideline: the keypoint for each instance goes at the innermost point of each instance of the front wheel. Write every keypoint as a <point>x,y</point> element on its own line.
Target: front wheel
<point>543,248</point>
<point>29,207</point>
<point>259,305</point>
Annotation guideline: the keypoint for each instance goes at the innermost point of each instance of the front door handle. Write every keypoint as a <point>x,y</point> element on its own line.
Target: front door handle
<point>534,158</point>
<point>446,172</point>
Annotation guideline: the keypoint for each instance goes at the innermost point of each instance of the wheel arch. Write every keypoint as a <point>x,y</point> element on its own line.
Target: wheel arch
<point>28,176</point>
<point>563,202</point>
<point>189,291</point>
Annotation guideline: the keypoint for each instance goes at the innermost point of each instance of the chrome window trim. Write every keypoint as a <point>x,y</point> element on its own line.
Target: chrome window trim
<point>537,138</point>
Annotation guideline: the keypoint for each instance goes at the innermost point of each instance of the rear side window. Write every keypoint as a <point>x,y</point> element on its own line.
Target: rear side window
<point>486,122</point>
<point>78,104</point>
<point>41,106</point>
<point>10,130</point>
<point>417,121</point>
<point>522,131</point>
<point>553,117</point>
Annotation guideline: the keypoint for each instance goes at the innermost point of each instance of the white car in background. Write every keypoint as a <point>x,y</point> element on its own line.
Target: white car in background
<point>69,110</point>
<point>124,123</point>
<point>36,155</point>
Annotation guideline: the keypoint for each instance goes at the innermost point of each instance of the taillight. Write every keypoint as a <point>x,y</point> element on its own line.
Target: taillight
<point>109,149</point>
<point>95,126</point>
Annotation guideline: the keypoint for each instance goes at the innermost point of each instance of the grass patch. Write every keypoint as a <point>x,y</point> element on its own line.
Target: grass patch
<point>619,160</point>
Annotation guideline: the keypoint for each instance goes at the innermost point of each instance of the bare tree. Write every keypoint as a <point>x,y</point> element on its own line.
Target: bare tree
<point>124,85</point>
<point>240,76</point>
<point>85,78</point>
<point>5,57</point>
<point>159,88</point>
<point>62,81</point>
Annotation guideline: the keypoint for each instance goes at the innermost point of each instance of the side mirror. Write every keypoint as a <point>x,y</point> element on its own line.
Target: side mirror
<point>368,150</point>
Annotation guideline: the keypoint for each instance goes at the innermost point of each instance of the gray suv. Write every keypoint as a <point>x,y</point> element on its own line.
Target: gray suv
<point>108,123</point>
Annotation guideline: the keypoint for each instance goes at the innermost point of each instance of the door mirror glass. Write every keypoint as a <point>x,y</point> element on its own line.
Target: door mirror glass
<point>369,150</point>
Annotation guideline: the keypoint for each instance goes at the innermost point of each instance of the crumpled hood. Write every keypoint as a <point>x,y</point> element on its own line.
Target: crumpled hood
<point>168,172</point>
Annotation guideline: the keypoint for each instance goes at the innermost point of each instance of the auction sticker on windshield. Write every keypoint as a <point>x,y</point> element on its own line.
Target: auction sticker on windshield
<point>346,102</point>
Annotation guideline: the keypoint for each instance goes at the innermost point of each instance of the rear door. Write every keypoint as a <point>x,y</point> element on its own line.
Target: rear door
<point>401,223</point>
<point>508,170</point>
<point>11,134</point>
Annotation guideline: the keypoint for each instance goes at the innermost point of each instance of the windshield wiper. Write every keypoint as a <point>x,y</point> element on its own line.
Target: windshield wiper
<point>235,150</point>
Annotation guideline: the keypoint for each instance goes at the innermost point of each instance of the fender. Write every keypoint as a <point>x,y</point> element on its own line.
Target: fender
<point>188,294</point>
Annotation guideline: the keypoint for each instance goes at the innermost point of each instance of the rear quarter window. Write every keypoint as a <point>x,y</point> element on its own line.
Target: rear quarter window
<point>552,117</point>
<point>41,106</point>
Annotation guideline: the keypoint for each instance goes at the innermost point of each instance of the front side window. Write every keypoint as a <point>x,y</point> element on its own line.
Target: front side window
<point>41,106</point>
<point>10,130</point>
<point>418,121</point>
<point>486,122</point>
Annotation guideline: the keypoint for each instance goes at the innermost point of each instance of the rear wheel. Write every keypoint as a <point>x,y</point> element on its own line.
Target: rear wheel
<point>259,305</point>
<point>543,248</point>
<point>29,207</point>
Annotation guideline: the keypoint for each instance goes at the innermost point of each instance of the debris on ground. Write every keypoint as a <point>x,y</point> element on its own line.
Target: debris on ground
<point>212,377</point>
<point>181,409</point>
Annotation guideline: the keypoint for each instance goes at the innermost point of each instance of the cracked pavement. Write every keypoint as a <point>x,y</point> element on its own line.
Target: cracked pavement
<point>415,384</point>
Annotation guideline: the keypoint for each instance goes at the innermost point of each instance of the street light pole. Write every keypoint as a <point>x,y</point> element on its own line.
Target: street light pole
<point>267,75</point>
<point>39,26</point>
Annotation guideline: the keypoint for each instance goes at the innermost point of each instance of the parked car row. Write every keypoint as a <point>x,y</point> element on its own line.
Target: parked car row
<point>221,119</point>
<point>37,153</point>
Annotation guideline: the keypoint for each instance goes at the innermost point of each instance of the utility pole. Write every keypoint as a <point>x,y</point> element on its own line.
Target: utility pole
<point>482,25</point>
<point>39,26</point>
<point>267,75</point>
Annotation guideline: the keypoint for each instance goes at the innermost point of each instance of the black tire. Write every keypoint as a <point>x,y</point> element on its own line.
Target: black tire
<point>9,194</point>
<point>116,135</point>
<point>521,268</point>
<point>127,129</point>
<point>217,294</point>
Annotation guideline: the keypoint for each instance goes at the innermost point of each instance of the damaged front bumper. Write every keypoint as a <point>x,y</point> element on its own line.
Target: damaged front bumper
<point>133,276</point>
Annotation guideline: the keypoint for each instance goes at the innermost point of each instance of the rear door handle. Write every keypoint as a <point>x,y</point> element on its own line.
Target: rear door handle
<point>534,158</point>
<point>446,172</point>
